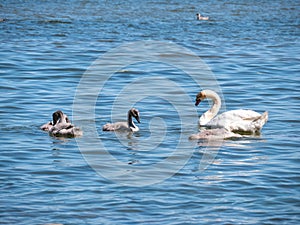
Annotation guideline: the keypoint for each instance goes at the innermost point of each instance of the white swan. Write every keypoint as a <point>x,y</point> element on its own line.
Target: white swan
<point>61,126</point>
<point>238,121</point>
<point>125,126</point>
<point>199,17</point>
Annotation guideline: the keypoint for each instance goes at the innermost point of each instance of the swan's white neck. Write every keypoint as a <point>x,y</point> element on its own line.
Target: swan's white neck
<point>213,111</point>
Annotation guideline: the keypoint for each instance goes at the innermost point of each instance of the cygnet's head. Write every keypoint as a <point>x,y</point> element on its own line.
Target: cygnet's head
<point>59,117</point>
<point>135,113</point>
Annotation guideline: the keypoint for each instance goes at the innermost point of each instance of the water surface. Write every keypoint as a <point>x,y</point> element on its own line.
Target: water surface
<point>251,47</point>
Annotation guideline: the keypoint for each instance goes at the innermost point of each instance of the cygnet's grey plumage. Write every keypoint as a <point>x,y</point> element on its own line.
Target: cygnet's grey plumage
<point>61,126</point>
<point>217,133</point>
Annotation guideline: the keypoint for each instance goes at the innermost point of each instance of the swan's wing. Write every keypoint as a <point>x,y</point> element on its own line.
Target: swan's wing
<point>70,132</point>
<point>118,126</point>
<point>65,130</point>
<point>47,126</point>
<point>60,126</point>
<point>244,114</point>
<point>239,121</point>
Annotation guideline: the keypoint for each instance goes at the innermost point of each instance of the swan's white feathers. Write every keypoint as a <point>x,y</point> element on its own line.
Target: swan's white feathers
<point>239,121</point>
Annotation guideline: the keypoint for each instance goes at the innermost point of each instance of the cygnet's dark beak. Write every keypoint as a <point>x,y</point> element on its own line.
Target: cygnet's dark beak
<point>197,102</point>
<point>137,119</point>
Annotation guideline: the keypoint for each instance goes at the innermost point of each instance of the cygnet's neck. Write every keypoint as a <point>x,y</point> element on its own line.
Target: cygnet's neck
<point>131,124</point>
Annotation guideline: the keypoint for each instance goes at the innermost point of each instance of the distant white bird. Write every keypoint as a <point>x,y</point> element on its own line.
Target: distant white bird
<point>61,126</point>
<point>125,126</point>
<point>199,17</point>
<point>238,121</point>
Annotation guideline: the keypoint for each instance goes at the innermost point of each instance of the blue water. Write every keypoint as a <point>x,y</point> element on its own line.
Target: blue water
<point>252,49</point>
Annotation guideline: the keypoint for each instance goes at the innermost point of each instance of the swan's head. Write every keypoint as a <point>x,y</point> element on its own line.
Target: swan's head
<point>200,96</point>
<point>59,117</point>
<point>135,113</point>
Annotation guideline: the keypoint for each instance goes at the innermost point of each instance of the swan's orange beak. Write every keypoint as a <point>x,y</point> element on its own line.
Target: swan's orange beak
<point>197,102</point>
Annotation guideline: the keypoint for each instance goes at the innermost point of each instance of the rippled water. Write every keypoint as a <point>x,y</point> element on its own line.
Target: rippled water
<point>251,47</point>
